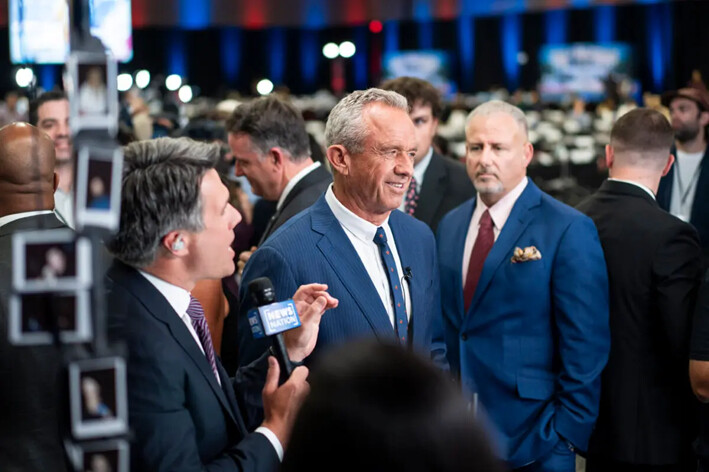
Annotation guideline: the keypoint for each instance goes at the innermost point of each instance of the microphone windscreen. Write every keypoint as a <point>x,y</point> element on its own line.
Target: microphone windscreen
<point>262,291</point>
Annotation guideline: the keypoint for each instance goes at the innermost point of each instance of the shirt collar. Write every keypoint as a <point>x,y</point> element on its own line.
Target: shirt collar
<point>500,211</point>
<point>177,297</point>
<point>360,227</point>
<point>26,214</point>
<point>292,182</point>
<point>649,192</point>
<point>421,167</point>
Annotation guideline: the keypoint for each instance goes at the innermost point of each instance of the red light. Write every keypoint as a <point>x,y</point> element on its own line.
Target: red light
<point>375,26</point>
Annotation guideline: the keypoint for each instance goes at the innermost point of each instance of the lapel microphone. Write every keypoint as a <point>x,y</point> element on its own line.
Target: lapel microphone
<point>407,274</point>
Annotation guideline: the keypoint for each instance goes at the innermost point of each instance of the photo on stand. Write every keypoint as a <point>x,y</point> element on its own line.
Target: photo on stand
<point>37,317</point>
<point>90,82</point>
<point>50,260</point>
<point>98,186</point>
<point>103,456</point>
<point>97,390</point>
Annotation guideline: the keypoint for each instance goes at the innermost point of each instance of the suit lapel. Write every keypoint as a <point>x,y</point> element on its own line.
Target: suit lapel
<point>432,189</point>
<point>231,397</point>
<point>267,232</point>
<point>156,304</point>
<point>337,249</point>
<point>517,222</point>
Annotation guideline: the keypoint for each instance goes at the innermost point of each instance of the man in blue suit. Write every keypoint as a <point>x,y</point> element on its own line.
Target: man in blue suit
<point>525,300</point>
<point>379,263</point>
<point>176,229</point>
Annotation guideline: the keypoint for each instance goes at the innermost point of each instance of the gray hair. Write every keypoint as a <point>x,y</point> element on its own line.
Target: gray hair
<point>346,125</point>
<point>498,106</point>
<point>272,122</point>
<point>161,192</point>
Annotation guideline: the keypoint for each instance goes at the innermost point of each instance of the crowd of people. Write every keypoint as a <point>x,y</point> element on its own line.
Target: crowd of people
<point>454,315</point>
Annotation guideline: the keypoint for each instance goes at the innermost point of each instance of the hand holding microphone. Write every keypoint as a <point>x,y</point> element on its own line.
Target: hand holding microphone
<point>293,338</point>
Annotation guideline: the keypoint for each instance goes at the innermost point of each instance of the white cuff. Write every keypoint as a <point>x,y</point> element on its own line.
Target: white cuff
<point>273,439</point>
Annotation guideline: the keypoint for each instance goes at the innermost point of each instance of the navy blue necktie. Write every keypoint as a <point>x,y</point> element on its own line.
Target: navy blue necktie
<point>401,322</point>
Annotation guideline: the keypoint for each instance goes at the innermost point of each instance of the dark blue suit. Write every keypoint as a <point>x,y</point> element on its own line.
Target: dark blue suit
<point>183,420</point>
<point>535,340</point>
<point>312,247</point>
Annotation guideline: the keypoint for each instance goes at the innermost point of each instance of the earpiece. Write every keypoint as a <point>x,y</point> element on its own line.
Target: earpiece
<point>178,245</point>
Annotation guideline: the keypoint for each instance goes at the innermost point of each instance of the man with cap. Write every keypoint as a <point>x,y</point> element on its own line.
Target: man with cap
<point>684,190</point>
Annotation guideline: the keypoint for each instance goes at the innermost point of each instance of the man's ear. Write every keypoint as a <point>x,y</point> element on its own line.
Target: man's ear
<point>339,158</point>
<point>704,119</point>
<point>610,156</point>
<point>528,153</point>
<point>668,165</point>
<point>175,242</point>
<point>277,157</point>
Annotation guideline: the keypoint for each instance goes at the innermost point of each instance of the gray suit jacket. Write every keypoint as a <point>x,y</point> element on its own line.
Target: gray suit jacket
<point>302,195</point>
<point>31,395</point>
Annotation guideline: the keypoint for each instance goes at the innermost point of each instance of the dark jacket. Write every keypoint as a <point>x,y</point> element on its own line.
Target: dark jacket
<point>32,392</point>
<point>445,186</point>
<point>182,419</point>
<point>654,267</point>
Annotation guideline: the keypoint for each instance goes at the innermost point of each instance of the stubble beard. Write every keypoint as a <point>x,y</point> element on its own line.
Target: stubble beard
<point>687,133</point>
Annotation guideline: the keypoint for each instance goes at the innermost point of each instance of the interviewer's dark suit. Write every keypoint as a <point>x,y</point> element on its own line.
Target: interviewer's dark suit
<point>654,266</point>
<point>445,186</point>
<point>30,380</point>
<point>182,419</point>
<point>302,195</point>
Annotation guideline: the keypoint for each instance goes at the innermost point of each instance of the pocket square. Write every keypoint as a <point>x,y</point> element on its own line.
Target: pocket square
<point>530,253</point>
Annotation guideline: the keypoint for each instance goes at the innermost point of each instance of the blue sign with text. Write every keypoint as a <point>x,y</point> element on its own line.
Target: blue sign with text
<point>273,319</point>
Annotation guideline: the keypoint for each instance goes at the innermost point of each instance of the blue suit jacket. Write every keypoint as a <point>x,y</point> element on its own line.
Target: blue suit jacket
<point>313,247</point>
<point>535,340</point>
<point>182,419</point>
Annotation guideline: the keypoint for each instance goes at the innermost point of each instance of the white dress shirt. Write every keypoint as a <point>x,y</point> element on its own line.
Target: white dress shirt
<point>687,169</point>
<point>64,207</point>
<point>179,300</point>
<point>294,181</point>
<point>25,214</point>
<point>499,213</point>
<point>419,174</point>
<point>361,233</point>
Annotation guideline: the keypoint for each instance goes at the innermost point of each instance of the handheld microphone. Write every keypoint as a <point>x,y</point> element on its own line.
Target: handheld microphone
<point>271,319</point>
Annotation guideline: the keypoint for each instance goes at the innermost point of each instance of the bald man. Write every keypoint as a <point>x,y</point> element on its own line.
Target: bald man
<point>29,376</point>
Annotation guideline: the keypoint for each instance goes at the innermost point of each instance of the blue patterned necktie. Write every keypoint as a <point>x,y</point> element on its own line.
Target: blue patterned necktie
<point>400,320</point>
<point>196,314</point>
